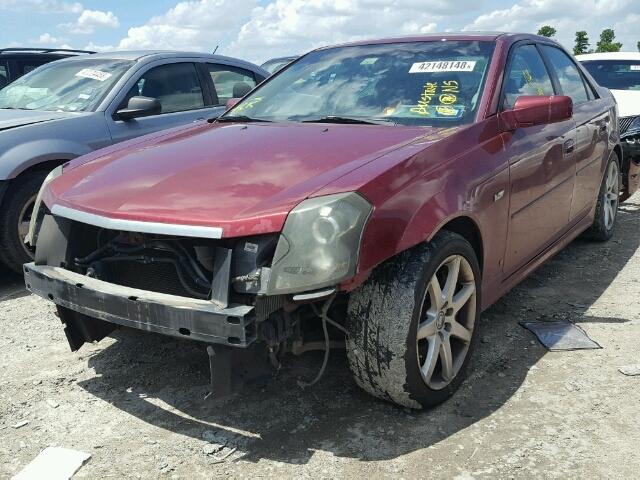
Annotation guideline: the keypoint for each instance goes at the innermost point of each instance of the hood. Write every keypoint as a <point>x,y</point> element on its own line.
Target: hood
<point>18,118</point>
<point>628,102</point>
<point>244,178</point>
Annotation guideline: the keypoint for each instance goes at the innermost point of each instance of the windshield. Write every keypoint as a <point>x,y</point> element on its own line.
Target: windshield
<point>67,86</point>
<point>416,83</point>
<point>615,74</point>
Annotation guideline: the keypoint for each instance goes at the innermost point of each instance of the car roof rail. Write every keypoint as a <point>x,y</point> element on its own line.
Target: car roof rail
<point>44,50</point>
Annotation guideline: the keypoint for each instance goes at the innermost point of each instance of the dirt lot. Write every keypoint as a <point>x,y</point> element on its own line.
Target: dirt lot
<point>135,401</point>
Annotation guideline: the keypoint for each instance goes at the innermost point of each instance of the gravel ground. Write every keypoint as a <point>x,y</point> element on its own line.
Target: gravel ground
<point>135,401</point>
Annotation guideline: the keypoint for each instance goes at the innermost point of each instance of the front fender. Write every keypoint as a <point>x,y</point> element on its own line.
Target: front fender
<point>18,158</point>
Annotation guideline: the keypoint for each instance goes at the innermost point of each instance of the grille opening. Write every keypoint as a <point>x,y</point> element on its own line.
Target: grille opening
<point>172,265</point>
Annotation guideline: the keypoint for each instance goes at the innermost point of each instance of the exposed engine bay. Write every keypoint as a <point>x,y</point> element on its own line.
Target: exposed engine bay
<point>200,289</point>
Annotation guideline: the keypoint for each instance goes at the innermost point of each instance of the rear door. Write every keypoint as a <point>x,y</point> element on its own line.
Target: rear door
<point>178,87</point>
<point>541,162</point>
<point>592,126</point>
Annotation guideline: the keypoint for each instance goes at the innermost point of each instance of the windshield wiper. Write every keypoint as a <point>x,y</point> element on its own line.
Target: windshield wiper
<point>238,118</point>
<point>347,120</point>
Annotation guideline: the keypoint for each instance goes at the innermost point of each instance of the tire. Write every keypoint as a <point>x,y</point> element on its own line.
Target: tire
<point>604,222</point>
<point>383,349</point>
<point>21,192</point>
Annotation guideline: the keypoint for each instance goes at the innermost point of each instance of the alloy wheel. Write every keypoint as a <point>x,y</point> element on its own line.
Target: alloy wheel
<point>447,323</point>
<point>611,193</point>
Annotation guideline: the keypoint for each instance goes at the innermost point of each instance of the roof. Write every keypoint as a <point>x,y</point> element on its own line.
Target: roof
<point>151,55</point>
<point>42,51</point>
<point>454,36</point>
<point>609,56</point>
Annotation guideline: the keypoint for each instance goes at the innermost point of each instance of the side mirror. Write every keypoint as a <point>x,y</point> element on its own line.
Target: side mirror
<point>139,106</point>
<point>232,102</point>
<point>530,110</point>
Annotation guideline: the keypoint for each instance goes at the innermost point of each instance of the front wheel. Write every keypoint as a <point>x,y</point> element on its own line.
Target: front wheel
<point>15,215</point>
<point>413,324</point>
<point>607,205</point>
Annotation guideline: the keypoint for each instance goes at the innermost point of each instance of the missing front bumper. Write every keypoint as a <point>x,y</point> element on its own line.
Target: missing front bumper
<point>172,315</point>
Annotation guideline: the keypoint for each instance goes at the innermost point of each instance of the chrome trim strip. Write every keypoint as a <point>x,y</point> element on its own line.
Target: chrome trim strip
<point>136,226</point>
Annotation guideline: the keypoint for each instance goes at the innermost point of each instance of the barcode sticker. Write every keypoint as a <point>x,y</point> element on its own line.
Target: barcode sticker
<point>443,66</point>
<point>93,74</point>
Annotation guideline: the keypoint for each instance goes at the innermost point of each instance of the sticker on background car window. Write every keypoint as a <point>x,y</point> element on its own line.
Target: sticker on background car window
<point>443,66</point>
<point>84,96</point>
<point>634,68</point>
<point>369,61</point>
<point>93,74</point>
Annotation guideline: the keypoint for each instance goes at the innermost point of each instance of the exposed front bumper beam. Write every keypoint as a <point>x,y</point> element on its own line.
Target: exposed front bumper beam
<point>156,312</point>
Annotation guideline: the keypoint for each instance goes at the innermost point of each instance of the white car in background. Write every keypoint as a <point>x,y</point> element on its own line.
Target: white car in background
<point>620,73</point>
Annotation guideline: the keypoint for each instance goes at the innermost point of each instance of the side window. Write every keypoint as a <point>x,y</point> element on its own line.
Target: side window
<point>526,75</point>
<point>230,82</point>
<point>4,74</point>
<point>568,74</point>
<point>175,85</point>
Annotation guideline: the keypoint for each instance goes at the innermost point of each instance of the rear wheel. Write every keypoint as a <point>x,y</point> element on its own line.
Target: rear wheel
<point>608,200</point>
<point>413,324</point>
<point>15,215</point>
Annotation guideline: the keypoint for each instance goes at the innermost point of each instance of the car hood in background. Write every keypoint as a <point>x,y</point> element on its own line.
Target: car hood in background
<point>18,118</point>
<point>244,178</point>
<point>628,102</point>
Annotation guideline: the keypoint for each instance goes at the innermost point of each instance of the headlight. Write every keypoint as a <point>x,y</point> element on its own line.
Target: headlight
<point>319,243</point>
<point>36,216</point>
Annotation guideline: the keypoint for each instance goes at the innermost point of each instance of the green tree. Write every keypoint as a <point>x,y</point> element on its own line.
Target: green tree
<point>638,45</point>
<point>606,43</point>
<point>547,31</point>
<point>582,43</point>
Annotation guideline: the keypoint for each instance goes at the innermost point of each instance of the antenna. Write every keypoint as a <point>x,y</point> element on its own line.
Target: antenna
<point>215,49</point>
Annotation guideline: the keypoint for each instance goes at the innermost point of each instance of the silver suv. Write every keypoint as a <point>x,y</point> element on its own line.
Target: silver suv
<point>71,107</point>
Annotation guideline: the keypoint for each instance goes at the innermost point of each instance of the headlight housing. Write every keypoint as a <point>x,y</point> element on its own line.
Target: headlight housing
<point>36,216</point>
<point>319,243</point>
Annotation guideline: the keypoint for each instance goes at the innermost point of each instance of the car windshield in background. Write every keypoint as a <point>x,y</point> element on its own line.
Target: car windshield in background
<point>416,83</point>
<point>68,86</point>
<point>615,74</point>
<point>272,66</point>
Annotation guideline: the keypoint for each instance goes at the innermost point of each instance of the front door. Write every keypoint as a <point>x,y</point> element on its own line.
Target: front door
<point>178,88</point>
<point>542,165</point>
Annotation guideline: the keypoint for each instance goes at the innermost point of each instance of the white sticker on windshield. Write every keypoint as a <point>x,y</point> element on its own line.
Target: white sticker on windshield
<point>93,74</point>
<point>443,66</point>
<point>369,61</point>
<point>84,96</point>
<point>635,68</point>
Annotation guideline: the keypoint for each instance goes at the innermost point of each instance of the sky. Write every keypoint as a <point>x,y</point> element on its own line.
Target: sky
<point>257,30</point>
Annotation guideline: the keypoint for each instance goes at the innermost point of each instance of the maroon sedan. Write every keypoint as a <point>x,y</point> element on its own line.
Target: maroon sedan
<point>382,193</point>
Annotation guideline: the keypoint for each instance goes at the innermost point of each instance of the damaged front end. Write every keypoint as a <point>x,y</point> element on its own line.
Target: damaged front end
<point>218,291</point>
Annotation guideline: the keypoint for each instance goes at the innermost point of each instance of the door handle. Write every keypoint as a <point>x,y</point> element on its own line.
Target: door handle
<point>568,147</point>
